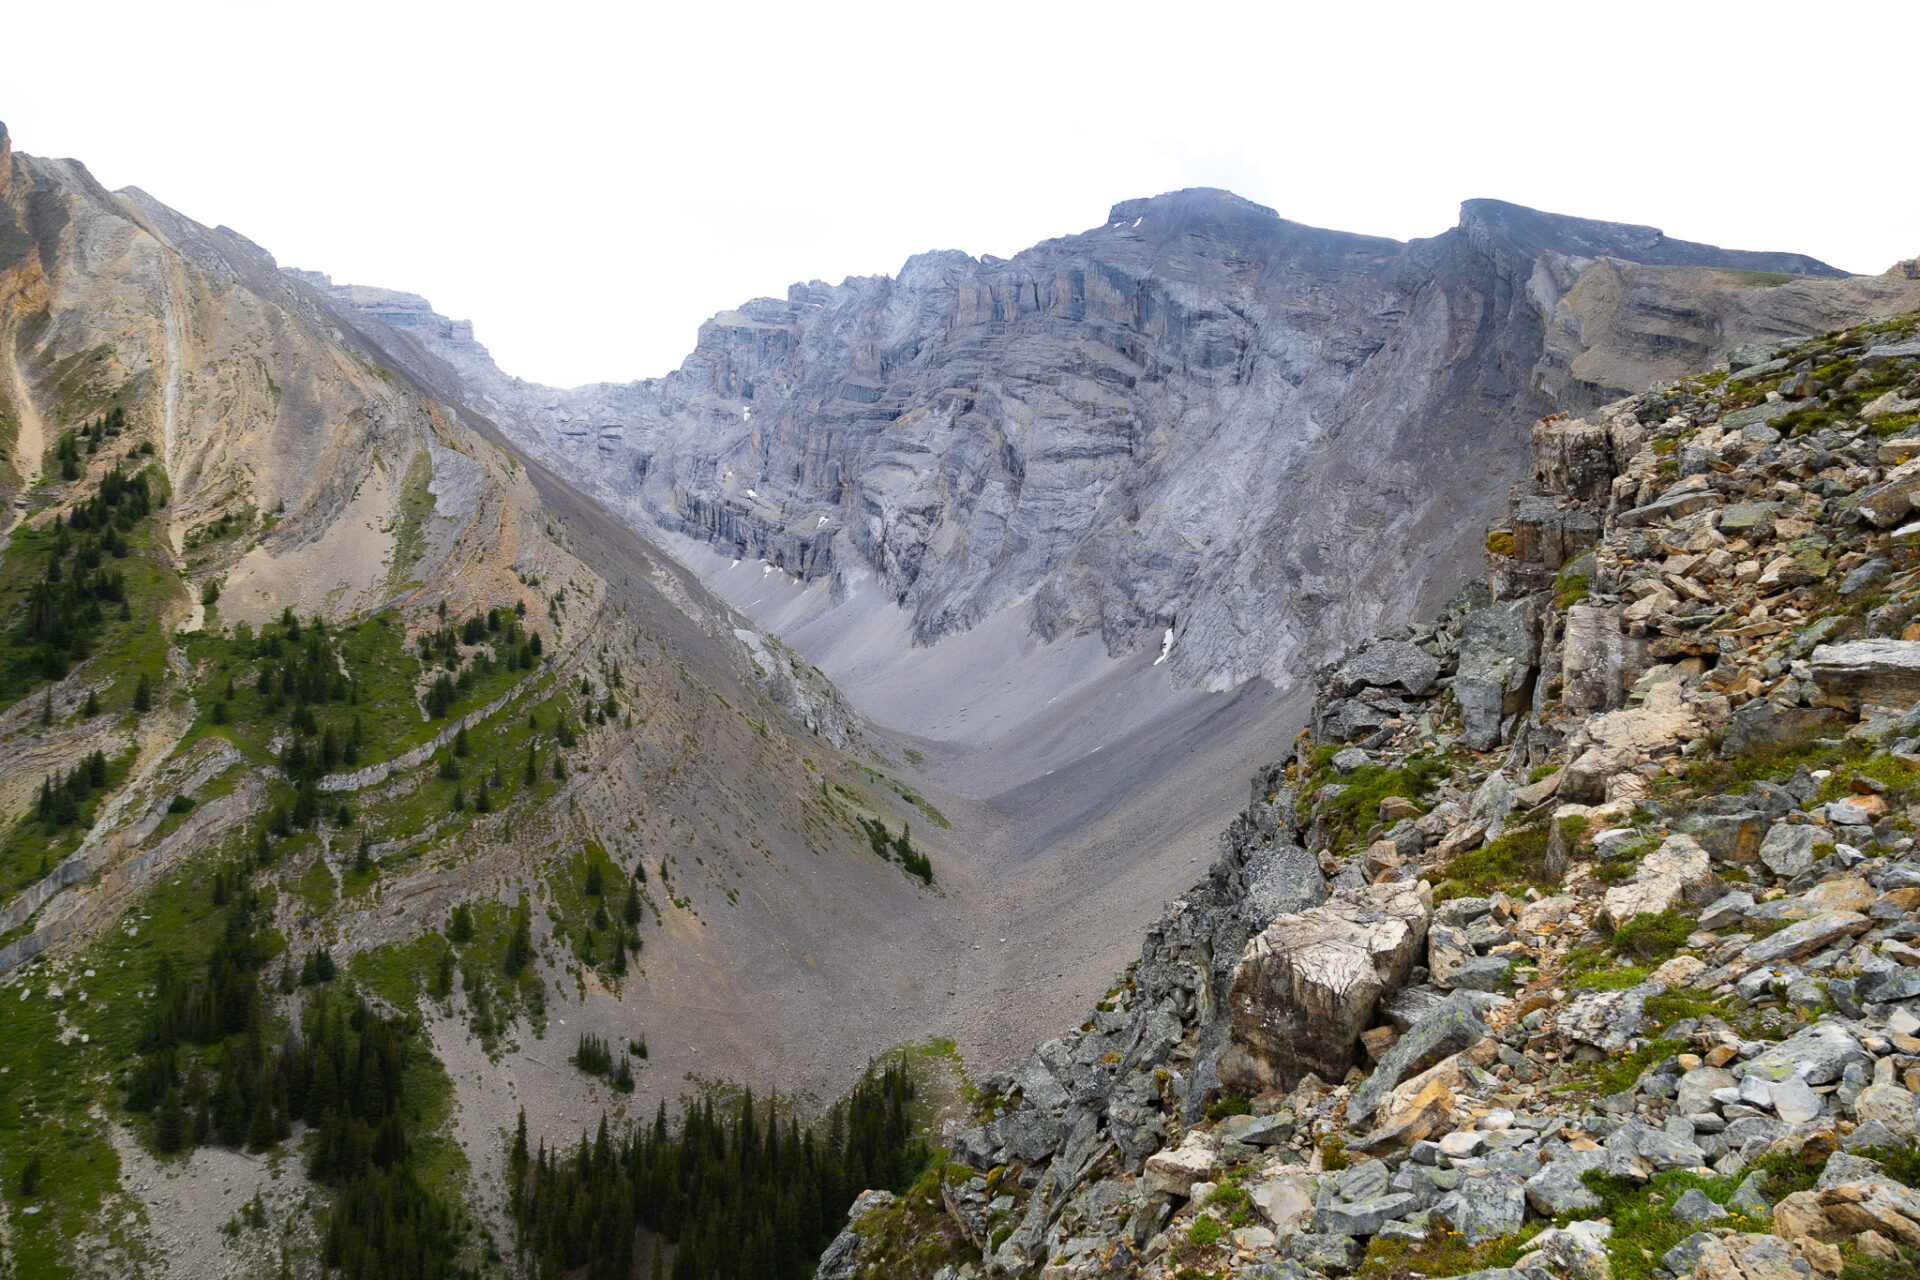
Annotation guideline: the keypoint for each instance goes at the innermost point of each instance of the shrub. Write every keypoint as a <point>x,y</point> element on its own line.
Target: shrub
<point>1651,937</point>
<point>1517,857</point>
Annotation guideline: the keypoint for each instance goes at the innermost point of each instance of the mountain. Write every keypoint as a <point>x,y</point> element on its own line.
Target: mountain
<point>1081,522</point>
<point>1197,417</point>
<point>297,660</point>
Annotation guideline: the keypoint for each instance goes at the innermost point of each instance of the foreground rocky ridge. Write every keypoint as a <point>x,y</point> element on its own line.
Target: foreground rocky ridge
<point>1196,425</point>
<point>1576,938</point>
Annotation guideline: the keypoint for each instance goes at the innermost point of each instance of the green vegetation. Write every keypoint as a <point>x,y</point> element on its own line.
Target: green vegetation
<point>1652,938</point>
<point>1356,807</point>
<point>889,848</point>
<point>1517,859</point>
<point>1442,1253</point>
<point>1570,589</point>
<point>1644,1227</point>
<point>740,1191</point>
<point>596,1059</point>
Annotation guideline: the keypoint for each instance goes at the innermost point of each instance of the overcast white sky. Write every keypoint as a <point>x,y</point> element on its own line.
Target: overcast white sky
<point>589,182</point>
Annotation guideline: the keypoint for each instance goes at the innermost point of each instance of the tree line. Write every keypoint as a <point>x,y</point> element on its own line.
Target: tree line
<point>741,1192</point>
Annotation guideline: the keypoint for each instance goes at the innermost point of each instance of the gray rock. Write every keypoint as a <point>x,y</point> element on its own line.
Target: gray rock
<point>1557,1188</point>
<point>1868,1135</point>
<point>1694,1094</point>
<point>1345,762</point>
<point>1750,1257</point>
<point>1864,576</point>
<point>1727,911</point>
<point>1637,1150</point>
<point>1788,849</point>
<point>1496,660</point>
<point>1484,1207</point>
<point>1454,1028</point>
<point>975,1148</point>
<point>1484,973</point>
<point>1030,1135</point>
<point>1794,1102</point>
<point>1683,1257</point>
<point>1607,1020</point>
<point>1806,937</point>
<point>1749,1198</point>
<point>1388,663</point>
<point>1693,1206</point>
<point>1883,672</point>
<point>1280,881</point>
<point>1323,1252</point>
<point>1260,1131</point>
<point>1818,1055</point>
<point>1362,1217</point>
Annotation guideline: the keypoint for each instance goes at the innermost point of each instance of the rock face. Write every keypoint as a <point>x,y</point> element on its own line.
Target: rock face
<point>1195,419</point>
<point>1310,984</point>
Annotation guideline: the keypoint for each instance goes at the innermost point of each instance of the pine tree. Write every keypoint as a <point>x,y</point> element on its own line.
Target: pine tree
<point>143,695</point>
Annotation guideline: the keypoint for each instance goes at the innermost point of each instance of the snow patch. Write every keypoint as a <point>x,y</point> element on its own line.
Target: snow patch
<point>1166,647</point>
<point>746,413</point>
<point>752,493</point>
<point>734,565</point>
<point>1136,221</point>
<point>823,520</point>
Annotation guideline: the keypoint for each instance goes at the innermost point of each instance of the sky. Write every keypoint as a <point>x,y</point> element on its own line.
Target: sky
<point>587,182</point>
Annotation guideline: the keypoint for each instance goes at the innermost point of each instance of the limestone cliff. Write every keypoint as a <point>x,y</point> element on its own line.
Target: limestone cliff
<point>1197,423</point>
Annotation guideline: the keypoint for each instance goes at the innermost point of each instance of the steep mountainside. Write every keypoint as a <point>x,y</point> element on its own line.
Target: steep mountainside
<point>296,658</point>
<point>1574,940</point>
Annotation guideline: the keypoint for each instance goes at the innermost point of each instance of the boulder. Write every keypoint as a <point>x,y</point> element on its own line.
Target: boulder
<point>1805,937</point>
<point>1599,662</point>
<point>1679,870</point>
<point>1637,1151</point>
<point>1577,1251</point>
<point>1694,1208</point>
<point>1280,881</point>
<point>1309,984</point>
<point>1448,947</point>
<point>1876,1203</point>
<point>1788,849</point>
<point>1818,1055</point>
<point>1795,1102</point>
<point>1287,1201</point>
<point>1362,1217</point>
<point>1882,672</point>
<point>1893,1106</point>
<point>1388,663</point>
<point>1484,1207</point>
<point>1455,1028</point>
<point>1606,1020</point>
<point>1557,1189</point>
<point>1175,1171</point>
<point>1695,1093</point>
<point>1496,663</point>
<point>1750,1257</point>
<point>1610,744</point>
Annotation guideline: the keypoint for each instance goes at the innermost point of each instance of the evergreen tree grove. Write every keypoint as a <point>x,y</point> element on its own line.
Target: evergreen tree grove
<point>742,1192</point>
